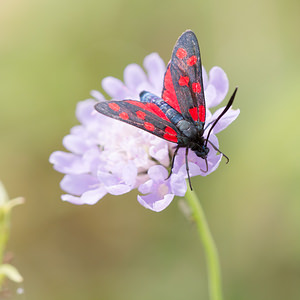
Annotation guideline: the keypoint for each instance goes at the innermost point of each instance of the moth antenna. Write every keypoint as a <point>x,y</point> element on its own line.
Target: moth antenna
<point>221,115</point>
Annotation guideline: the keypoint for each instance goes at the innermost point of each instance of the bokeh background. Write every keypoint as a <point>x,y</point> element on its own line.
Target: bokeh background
<point>52,53</point>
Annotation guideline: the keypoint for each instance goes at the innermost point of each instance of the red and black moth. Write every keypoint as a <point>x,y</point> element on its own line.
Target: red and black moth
<point>179,115</point>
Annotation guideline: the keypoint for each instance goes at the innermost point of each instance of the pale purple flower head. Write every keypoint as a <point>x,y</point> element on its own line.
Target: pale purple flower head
<point>108,156</point>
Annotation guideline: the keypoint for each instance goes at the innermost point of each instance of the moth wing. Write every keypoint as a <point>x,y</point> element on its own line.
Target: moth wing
<point>183,84</point>
<point>141,115</point>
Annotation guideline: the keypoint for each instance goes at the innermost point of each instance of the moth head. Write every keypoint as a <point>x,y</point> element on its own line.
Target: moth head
<point>201,150</point>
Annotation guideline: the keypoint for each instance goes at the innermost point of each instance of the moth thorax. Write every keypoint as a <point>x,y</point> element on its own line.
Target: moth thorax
<point>187,128</point>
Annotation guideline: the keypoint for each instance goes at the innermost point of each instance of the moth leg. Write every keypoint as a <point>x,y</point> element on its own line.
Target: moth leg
<point>187,167</point>
<point>219,151</point>
<point>172,163</point>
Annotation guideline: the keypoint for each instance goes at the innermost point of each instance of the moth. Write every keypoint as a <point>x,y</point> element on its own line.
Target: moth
<point>178,116</point>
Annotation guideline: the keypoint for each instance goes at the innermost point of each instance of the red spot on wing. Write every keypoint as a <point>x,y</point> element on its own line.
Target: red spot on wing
<point>192,60</point>
<point>198,114</point>
<point>149,126</point>
<point>193,113</point>
<point>123,115</point>
<point>156,110</point>
<point>196,87</point>
<point>140,115</point>
<point>170,138</point>
<point>136,103</point>
<point>181,53</point>
<point>183,80</point>
<point>114,106</point>
<point>169,94</point>
<point>170,130</point>
<point>151,107</point>
<point>202,113</point>
<point>170,135</point>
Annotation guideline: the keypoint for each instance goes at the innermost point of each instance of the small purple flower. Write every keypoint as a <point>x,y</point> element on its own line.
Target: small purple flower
<point>108,156</point>
<point>160,192</point>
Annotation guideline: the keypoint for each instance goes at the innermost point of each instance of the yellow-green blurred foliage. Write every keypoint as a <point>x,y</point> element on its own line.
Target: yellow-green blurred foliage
<point>52,53</point>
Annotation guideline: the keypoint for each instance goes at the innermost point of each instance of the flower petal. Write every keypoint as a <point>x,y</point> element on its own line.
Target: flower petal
<point>178,184</point>
<point>154,203</point>
<point>90,197</point>
<point>115,88</point>
<point>75,144</point>
<point>158,173</point>
<point>78,184</point>
<point>68,163</point>
<point>156,69</point>
<point>72,199</point>
<point>84,110</point>
<point>97,95</point>
<point>134,76</point>
<point>226,120</point>
<point>113,183</point>
<point>210,95</point>
<point>160,151</point>
<point>204,78</point>
<point>93,196</point>
<point>219,81</point>
<point>118,189</point>
<point>146,187</point>
<point>194,169</point>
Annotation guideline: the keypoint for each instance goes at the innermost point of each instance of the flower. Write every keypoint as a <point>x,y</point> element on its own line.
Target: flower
<point>108,156</point>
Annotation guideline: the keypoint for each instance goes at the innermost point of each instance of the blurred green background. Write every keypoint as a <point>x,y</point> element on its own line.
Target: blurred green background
<point>52,53</point>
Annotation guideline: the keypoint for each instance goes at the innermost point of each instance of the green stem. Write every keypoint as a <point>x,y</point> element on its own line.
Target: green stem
<point>210,249</point>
